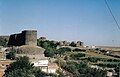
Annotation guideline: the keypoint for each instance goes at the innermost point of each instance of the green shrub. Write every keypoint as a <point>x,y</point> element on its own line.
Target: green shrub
<point>62,50</point>
<point>77,56</point>
<point>109,65</point>
<point>3,42</point>
<point>77,50</point>
<point>93,59</point>
<point>11,55</point>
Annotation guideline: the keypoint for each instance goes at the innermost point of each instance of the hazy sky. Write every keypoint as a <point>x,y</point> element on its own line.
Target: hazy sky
<point>85,20</point>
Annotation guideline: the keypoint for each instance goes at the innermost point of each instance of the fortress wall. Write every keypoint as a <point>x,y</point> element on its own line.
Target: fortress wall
<point>12,40</point>
<point>19,39</point>
<point>27,37</point>
<point>30,37</point>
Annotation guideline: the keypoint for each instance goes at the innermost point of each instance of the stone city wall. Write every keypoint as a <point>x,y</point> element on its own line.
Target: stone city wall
<point>27,37</point>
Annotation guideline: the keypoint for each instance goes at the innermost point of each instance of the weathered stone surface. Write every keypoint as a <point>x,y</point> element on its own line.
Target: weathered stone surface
<point>27,37</point>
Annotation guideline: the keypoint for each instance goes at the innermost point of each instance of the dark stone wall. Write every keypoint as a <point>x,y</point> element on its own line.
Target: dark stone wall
<point>30,37</point>
<point>27,37</point>
<point>12,40</point>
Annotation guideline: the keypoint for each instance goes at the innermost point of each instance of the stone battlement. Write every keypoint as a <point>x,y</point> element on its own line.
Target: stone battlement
<point>27,37</point>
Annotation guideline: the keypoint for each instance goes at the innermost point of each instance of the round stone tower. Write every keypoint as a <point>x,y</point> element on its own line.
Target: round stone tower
<point>30,37</point>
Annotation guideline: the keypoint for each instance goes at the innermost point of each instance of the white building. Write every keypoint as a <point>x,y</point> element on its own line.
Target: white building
<point>41,63</point>
<point>45,66</point>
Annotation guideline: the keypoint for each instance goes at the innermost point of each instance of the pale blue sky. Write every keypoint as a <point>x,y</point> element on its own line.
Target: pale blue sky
<point>85,20</point>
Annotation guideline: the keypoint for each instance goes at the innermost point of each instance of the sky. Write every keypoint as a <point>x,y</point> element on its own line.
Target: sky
<point>86,20</point>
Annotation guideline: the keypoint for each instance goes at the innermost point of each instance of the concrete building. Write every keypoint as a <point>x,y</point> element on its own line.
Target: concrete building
<point>46,66</point>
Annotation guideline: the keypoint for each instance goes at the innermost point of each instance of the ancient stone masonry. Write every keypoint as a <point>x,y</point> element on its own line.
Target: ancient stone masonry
<point>27,37</point>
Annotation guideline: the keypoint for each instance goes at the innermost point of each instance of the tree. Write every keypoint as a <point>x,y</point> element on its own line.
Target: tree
<point>20,73</point>
<point>73,44</point>
<point>21,68</point>
<point>77,56</point>
<point>49,52</point>
<point>93,59</point>
<point>38,73</point>
<point>81,69</point>
<point>46,44</point>
<point>78,50</point>
<point>61,51</point>
<point>11,55</point>
<point>49,47</point>
<point>3,42</point>
<point>117,70</point>
<point>92,72</point>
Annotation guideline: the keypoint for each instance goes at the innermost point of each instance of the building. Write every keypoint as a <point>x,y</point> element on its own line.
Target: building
<point>46,66</point>
<point>43,64</point>
<point>27,37</point>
